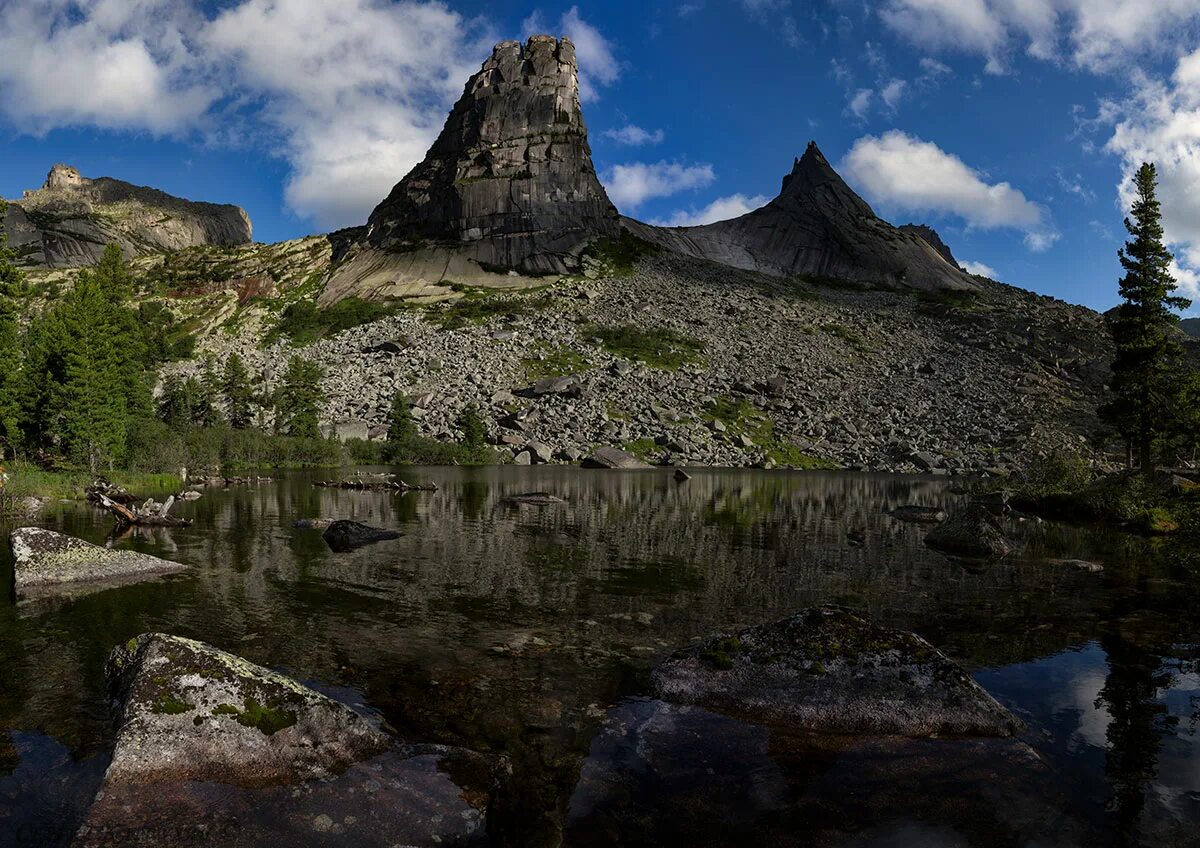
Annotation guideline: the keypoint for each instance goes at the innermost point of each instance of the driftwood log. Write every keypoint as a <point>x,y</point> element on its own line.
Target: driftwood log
<point>150,514</point>
<point>365,486</point>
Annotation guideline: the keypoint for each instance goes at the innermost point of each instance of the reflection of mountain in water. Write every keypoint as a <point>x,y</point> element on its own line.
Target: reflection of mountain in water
<point>514,629</point>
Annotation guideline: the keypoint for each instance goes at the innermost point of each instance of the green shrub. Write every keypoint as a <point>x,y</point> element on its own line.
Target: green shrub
<point>621,255</point>
<point>302,323</point>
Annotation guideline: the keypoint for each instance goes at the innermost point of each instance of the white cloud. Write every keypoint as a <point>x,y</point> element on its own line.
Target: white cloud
<point>860,104</point>
<point>904,173</point>
<point>1092,34</point>
<point>893,92</point>
<point>113,65</point>
<point>980,270</point>
<point>357,90</point>
<point>598,63</point>
<point>721,209</point>
<point>634,136</point>
<point>632,184</point>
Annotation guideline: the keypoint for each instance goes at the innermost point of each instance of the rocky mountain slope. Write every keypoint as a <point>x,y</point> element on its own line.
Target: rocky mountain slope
<point>817,227</point>
<point>70,219</point>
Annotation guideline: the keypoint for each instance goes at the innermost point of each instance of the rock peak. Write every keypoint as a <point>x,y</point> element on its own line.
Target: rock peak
<point>510,180</point>
<point>810,170</point>
<point>64,176</point>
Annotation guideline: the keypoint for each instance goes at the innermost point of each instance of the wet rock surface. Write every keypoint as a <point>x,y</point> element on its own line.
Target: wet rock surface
<point>189,711</point>
<point>827,670</point>
<point>605,457</point>
<point>46,562</point>
<point>343,536</point>
<point>972,532</point>
<point>214,750</point>
<point>665,774</point>
<point>919,514</point>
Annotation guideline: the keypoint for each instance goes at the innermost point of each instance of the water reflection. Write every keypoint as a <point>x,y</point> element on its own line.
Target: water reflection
<point>515,630</point>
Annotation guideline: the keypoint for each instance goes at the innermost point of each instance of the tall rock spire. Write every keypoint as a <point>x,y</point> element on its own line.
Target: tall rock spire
<point>510,180</point>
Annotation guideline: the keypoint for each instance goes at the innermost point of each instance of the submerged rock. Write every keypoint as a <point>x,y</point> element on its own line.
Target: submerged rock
<point>605,457</point>
<point>213,750</point>
<point>919,514</point>
<point>971,532</point>
<point>534,499</point>
<point>45,561</point>
<point>342,536</point>
<point>827,670</point>
<point>1081,565</point>
<point>313,523</point>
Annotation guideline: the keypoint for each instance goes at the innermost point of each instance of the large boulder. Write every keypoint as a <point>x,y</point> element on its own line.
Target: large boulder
<point>606,457</point>
<point>827,670</point>
<point>972,532</point>
<point>46,562</point>
<point>342,536</point>
<point>212,750</point>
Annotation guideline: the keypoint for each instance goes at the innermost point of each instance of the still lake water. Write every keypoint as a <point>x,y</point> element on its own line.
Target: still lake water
<point>529,633</point>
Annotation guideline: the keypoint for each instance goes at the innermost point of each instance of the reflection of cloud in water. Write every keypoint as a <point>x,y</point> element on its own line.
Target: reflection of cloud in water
<point>1081,696</point>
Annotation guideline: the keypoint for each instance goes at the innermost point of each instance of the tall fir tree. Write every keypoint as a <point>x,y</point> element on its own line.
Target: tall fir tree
<point>299,400</point>
<point>402,427</point>
<point>12,287</point>
<point>237,394</point>
<point>1149,385</point>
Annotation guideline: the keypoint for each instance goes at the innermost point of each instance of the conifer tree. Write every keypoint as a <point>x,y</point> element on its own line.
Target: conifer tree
<point>299,401</point>
<point>11,287</point>
<point>1148,382</point>
<point>236,391</point>
<point>402,428</point>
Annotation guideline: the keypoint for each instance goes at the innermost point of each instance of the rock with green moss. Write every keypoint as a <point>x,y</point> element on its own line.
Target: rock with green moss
<point>46,562</point>
<point>971,532</point>
<point>827,670</point>
<point>189,711</point>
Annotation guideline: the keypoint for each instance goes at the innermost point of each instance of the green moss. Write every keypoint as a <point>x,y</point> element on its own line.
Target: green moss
<point>226,710</point>
<point>720,655</point>
<point>621,255</point>
<point>270,720</point>
<point>549,361</point>
<point>847,335</point>
<point>643,449</point>
<point>168,704</point>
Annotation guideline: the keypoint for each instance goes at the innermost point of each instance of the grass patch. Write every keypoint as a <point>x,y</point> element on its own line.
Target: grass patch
<point>619,256</point>
<point>643,449</point>
<point>658,347</point>
<point>478,306</point>
<point>549,361</point>
<point>302,323</point>
<point>27,480</point>
<point>841,331</point>
<point>742,418</point>
<point>937,304</point>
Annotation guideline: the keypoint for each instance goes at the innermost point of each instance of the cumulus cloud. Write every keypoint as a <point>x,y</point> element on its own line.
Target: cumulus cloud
<point>907,174</point>
<point>630,185</point>
<point>721,209</point>
<point>632,135</point>
<point>1160,123</point>
<point>598,62</point>
<point>979,269</point>
<point>113,65</point>
<point>1092,34</point>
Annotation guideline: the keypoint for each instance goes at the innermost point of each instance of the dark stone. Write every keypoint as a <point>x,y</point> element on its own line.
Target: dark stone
<point>386,347</point>
<point>919,514</point>
<point>566,386</point>
<point>827,670</point>
<point>342,536</point>
<point>606,457</point>
<point>971,532</point>
<point>931,237</point>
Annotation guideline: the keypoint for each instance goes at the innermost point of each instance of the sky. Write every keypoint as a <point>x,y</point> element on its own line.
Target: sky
<point>1011,126</point>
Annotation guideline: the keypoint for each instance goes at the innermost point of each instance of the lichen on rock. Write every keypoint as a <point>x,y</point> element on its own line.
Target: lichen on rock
<point>827,670</point>
<point>46,562</point>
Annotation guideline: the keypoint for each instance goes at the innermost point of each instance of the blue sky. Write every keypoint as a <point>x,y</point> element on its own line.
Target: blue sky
<point>1009,125</point>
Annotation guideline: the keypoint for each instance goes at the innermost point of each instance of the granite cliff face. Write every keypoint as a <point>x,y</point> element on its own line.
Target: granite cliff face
<point>71,219</point>
<point>930,235</point>
<point>817,227</point>
<point>509,185</point>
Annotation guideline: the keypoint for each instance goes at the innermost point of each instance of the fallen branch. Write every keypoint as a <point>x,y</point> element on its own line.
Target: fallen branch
<point>150,514</point>
<point>361,486</point>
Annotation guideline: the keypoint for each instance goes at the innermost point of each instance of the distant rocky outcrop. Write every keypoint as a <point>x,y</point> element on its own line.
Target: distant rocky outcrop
<point>931,237</point>
<point>71,219</point>
<point>509,185</point>
<point>816,227</point>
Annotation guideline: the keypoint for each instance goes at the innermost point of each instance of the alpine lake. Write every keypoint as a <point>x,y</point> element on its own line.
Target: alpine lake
<point>527,633</point>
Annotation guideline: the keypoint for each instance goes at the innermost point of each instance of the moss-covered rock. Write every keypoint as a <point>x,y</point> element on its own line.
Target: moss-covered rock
<point>46,562</point>
<point>970,532</point>
<point>191,712</point>
<point>827,670</point>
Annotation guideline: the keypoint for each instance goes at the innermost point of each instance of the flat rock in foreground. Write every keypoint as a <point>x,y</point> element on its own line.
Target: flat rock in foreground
<point>213,750</point>
<point>190,711</point>
<point>45,561</point>
<point>827,670</point>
